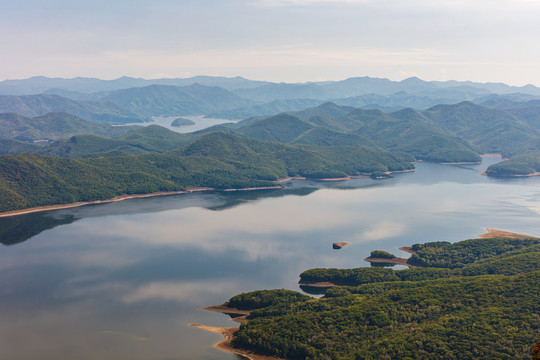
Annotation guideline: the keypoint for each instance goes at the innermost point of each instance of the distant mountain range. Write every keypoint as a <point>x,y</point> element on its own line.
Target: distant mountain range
<point>41,84</point>
<point>127,100</point>
<point>266,91</point>
<point>133,105</point>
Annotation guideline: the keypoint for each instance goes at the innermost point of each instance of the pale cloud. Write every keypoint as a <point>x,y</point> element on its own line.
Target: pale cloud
<point>192,292</point>
<point>384,229</point>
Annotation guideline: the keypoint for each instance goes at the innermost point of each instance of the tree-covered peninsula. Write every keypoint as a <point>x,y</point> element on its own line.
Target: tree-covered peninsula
<point>216,160</point>
<point>519,165</point>
<point>488,308</point>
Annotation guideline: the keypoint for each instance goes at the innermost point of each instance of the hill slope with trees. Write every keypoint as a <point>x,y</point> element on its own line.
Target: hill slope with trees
<point>217,160</point>
<point>411,314</point>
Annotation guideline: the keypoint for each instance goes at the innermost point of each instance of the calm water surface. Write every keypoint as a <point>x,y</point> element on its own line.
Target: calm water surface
<point>124,280</point>
<point>200,122</point>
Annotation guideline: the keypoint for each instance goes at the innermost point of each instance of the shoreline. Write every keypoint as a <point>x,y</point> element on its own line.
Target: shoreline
<point>226,343</point>
<point>536,173</point>
<point>502,233</point>
<point>462,163</point>
<point>320,284</point>
<point>228,333</point>
<point>241,315</point>
<point>166,193</point>
<point>342,178</point>
<point>395,261</point>
<point>123,197</point>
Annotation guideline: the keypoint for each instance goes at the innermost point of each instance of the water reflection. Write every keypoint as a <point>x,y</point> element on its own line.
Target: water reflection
<point>124,280</point>
<point>16,229</point>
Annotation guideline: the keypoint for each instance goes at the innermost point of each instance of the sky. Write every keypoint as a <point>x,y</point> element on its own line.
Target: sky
<point>273,40</point>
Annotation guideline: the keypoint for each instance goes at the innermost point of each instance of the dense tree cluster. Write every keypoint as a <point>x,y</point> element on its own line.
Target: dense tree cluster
<point>525,164</point>
<point>380,254</point>
<point>216,160</point>
<point>488,309</point>
<point>459,254</point>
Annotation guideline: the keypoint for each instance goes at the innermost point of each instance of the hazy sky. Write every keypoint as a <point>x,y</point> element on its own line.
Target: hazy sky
<point>276,40</point>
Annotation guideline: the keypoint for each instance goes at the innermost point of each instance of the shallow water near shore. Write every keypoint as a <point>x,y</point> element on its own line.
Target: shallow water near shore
<point>123,280</point>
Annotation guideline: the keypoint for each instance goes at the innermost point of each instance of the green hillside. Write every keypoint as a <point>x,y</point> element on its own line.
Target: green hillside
<point>11,146</point>
<point>490,130</point>
<point>321,136</point>
<point>216,160</point>
<point>53,126</point>
<point>443,133</point>
<point>427,313</point>
<point>406,131</point>
<point>148,139</point>
<point>36,105</point>
<point>283,128</point>
<point>267,109</point>
<point>520,165</point>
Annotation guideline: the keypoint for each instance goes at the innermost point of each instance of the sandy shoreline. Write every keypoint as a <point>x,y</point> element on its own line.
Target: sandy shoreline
<point>507,234</point>
<point>228,333</point>
<point>226,344</point>
<point>123,197</point>
<point>164,193</point>
<point>342,178</point>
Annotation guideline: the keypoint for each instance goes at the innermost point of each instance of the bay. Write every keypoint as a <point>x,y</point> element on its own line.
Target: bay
<point>201,122</point>
<point>123,280</point>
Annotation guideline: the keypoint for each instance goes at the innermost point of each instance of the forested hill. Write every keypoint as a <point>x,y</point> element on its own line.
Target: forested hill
<point>488,309</point>
<point>443,133</point>
<point>521,165</point>
<point>407,131</point>
<point>37,105</point>
<point>54,126</point>
<point>216,160</point>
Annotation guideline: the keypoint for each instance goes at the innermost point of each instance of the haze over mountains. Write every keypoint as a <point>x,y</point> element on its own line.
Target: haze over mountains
<point>416,120</point>
<point>238,97</point>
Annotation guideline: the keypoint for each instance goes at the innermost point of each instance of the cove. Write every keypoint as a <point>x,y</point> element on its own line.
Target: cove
<point>124,280</point>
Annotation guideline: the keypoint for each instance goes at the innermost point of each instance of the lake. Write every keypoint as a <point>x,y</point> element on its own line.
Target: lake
<point>123,280</point>
<point>200,121</point>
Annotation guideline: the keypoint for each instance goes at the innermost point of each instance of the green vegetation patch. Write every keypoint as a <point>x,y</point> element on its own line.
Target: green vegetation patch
<point>421,313</point>
<point>380,254</point>
<point>459,254</point>
<point>519,165</point>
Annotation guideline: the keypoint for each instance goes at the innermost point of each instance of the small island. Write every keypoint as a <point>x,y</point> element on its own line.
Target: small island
<point>385,258</point>
<point>182,122</point>
<point>472,290</point>
<point>340,245</point>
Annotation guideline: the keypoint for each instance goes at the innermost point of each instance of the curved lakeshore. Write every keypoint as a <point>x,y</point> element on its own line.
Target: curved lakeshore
<point>395,260</point>
<point>165,193</point>
<point>226,343</point>
<point>228,333</point>
<point>240,315</point>
<point>366,175</point>
<point>125,197</point>
<point>506,234</point>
